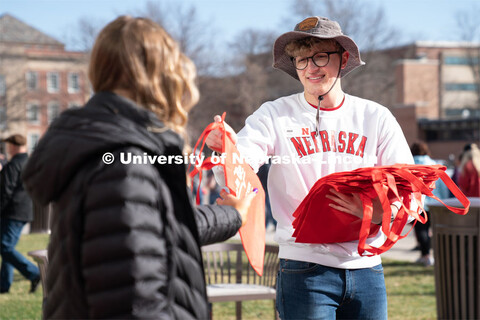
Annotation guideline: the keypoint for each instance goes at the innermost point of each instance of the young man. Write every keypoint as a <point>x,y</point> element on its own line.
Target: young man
<point>315,133</point>
<point>16,210</point>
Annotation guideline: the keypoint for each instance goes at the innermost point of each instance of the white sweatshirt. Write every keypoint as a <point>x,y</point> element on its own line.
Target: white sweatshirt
<point>360,133</point>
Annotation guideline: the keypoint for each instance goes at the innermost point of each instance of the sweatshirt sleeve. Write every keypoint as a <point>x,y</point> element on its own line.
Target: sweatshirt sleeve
<point>256,139</point>
<point>217,223</point>
<point>392,146</point>
<point>124,252</point>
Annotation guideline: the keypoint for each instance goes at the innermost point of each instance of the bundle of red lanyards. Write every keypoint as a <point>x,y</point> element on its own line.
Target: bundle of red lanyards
<point>316,222</point>
<point>240,179</point>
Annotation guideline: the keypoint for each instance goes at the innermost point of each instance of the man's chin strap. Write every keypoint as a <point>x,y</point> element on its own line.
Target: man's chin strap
<point>320,98</point>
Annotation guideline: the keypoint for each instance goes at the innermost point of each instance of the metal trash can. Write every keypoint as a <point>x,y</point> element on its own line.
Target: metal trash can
<point>457,251</point>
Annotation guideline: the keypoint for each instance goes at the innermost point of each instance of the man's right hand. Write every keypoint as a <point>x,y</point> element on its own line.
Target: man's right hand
<point>214,138</point>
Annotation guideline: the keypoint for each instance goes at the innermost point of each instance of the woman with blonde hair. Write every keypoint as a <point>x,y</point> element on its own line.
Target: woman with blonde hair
<point>125,239</point>
<point>469,171</point>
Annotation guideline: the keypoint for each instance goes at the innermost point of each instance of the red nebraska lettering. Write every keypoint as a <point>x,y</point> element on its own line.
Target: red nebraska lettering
<point>314,139</point>
<point>297,143</point>
<point>308,145</point>
<point>325,143</point>
<point>351,139</point>
<point>361,147</point>
<point>332,141</point>
<point>341,141</point>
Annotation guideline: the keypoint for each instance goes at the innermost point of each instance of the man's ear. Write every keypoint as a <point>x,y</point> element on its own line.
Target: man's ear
<point>345,57</point>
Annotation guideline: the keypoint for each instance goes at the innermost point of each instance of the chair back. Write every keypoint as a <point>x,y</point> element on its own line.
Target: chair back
<point>228,263</point>
<point>41,258</point>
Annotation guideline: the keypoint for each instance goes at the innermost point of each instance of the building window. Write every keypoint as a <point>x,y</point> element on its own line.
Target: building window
<point>53,110</point>
<point>32,141</point>
<point>465,60</point>
<point>73,83</point>
<point>33,113</point>
<point>3,86</point>
<point>451,130</point>
<point>462,113</point>
<point>53,82</point>
<point>32,80</point>
<point>460,86</point>
<point>3,118</point>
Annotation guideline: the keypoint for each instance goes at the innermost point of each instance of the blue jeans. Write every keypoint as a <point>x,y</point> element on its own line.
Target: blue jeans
<point>308,290</point>
<point>9,234</point>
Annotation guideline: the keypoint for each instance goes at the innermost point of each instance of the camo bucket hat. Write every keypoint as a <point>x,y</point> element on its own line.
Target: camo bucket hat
<point>317,27</point>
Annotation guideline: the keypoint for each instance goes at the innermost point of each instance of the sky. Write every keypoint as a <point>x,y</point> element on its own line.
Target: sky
<point>419,19</point>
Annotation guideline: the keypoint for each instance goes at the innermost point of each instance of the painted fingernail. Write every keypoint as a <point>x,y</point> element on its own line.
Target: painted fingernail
<point>255,190</point>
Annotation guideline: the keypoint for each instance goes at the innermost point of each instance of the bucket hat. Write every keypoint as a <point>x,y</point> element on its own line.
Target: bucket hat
<point>16,139</point>
<point>318,27</point>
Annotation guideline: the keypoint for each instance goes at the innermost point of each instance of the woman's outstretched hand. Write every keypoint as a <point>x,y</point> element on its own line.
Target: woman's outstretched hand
<point>241,205</point>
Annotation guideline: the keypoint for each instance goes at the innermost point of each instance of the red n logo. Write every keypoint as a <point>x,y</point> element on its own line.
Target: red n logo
<point>305,132</point>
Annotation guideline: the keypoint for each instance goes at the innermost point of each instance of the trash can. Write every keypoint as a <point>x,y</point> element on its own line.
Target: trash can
<point>457,251</point>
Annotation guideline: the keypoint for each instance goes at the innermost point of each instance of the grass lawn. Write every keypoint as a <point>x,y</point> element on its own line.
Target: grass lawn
<point>410,290</point>
<point>19,304</point>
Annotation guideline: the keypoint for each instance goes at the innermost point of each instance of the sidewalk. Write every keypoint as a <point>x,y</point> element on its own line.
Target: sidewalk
<point>401,251</point>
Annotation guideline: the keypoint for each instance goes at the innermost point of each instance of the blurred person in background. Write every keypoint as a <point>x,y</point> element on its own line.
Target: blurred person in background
<point>3,161</point>
<point>213,188</point>
<point>456,164</point>
<point>125,239</point>
<point>16,211</point>
<point>421,155</point>
<point>270,223</point>
<point>469,171</point>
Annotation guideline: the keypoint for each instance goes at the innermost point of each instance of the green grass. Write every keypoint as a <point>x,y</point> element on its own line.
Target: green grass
<point>19,304</point>
<point>410,290</point>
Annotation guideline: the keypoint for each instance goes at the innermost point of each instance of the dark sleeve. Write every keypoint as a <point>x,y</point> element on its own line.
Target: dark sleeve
<point>124,252</point>
<point>9,177</point>
<point>217,223</point>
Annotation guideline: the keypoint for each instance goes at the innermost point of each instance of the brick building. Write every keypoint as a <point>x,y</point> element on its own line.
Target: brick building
<point>38,79</point>
<point>436,94</point>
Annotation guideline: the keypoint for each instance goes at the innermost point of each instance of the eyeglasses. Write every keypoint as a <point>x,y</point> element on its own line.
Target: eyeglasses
<point>320,59</point>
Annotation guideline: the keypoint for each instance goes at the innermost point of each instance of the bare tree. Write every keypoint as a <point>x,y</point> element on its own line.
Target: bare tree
<point>86,32</point>
<point>249,47</point>
<point>468,25</point>
<point>252,88</point>
<point>252,42</point>
<point>184,24</point>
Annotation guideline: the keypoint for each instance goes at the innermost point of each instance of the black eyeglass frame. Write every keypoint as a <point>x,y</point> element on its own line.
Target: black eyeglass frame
<point>311,58</point>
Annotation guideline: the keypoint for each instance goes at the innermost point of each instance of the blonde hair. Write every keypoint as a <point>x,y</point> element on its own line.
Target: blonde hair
<point>301,46</point>
<point>471,155</point>
<point>139,56</point>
